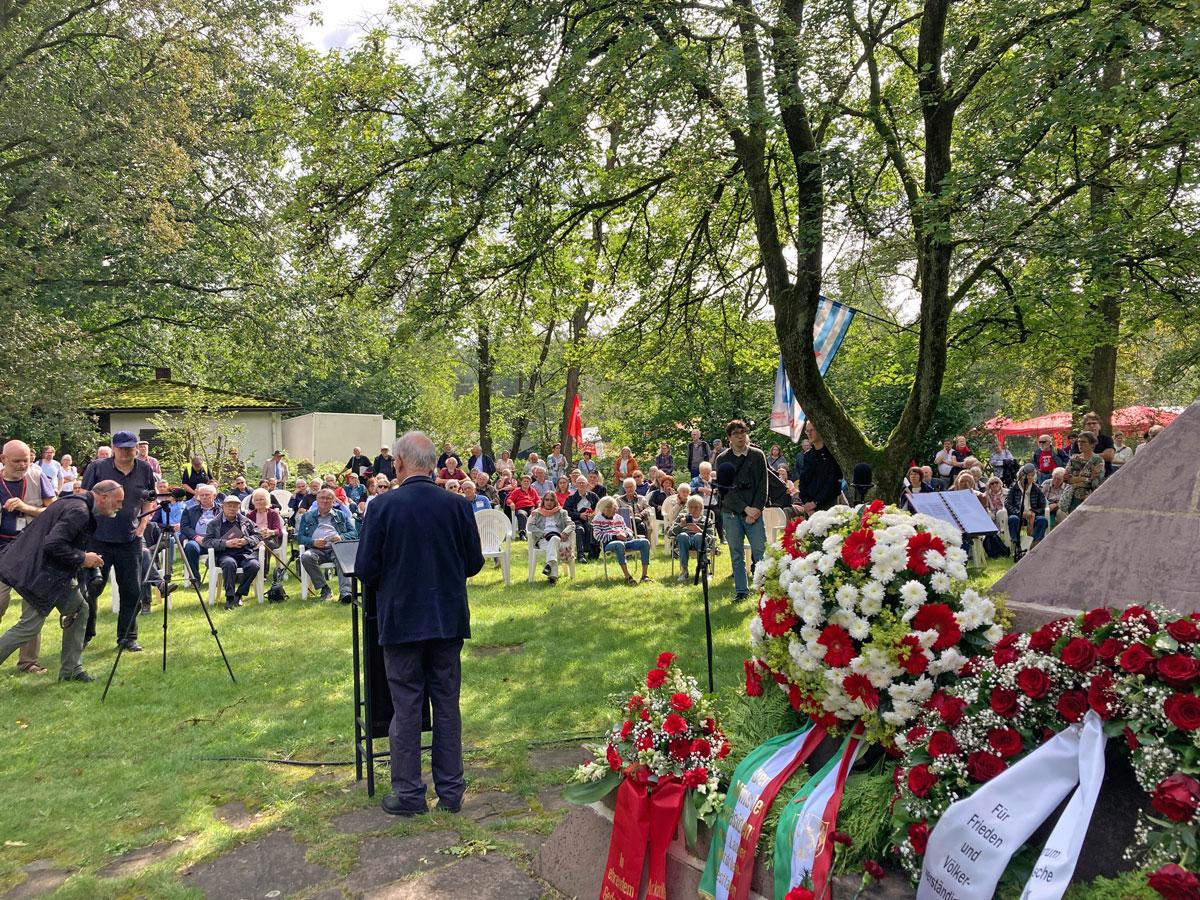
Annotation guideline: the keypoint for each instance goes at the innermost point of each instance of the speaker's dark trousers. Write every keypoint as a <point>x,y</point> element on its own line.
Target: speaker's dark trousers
<point>411,670</point>
<point>127,558</point>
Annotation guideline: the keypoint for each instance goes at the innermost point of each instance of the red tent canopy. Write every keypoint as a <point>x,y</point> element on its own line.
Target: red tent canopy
<point>1138,418</point>
<point>1135,419</point>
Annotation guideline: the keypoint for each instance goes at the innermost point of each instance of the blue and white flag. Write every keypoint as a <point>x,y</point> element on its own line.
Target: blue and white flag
<point>832,322</point>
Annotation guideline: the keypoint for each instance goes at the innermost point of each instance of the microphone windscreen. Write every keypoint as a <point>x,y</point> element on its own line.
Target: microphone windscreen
<point>863,476</point>
<point>726,473</point>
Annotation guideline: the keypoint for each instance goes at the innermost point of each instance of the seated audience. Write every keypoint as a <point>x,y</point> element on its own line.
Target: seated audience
<point>451,471</point>
<point>522,501</point>
<point>1046,458</point>
<point>266,523</point>
<point>994,498</point>
<point>580,507</point>
<point>541,484</point>
<point>548,527</point>
<point>479,461</point>
<point>355,491</point>
<point>239,488</point>
<point>1053,489</point>
<point>1085,473</point>
<point>562,489</point>
<point>688,532</point>
<point>320,528</point>
<point>614,536</point>
<point>664,489</point>
<point>193,526</point>
<point>472,496</point>
<point>639,509</point>
<point>1151,433</point>
<point>505,463</point>
<point>914,483</point>
<point>596,484</point>
<point>505,484</point>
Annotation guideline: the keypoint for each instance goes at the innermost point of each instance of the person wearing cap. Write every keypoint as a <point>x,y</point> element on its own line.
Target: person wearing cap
<point>1026,507</point>
<point>276,468</point>
<point>233,538</point>
<point>118,539</point>
<point>143,452</point>
<point>385,463</point>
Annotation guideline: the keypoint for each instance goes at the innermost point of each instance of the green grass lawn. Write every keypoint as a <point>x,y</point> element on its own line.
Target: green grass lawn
<point>84,782</point>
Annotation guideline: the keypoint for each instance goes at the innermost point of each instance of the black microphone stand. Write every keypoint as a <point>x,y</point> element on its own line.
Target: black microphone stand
<point>701,578</point>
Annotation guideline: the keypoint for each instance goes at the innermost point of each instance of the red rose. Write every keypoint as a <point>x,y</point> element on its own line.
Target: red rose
<point>1177,797</point>
<point>708,726</point>
<point>1184,630</point>
<point>918,545</point>
<point>1178,670</point>
<point>920,780</point>
<point>1101,696</point>
<point>912,657</point>
<point>626,730</point>
<point>918,836</point>
<point>856,550</point>
<point>614,758</point>
<point>1183,710</point>
<point>665,660</point>
<point>1140,615</point>
<point>1033,683</point>
<point>655,678</point>
<point>916,734</point>
<point>1004,656</point>
<point>1006,741</point>
<point>940,618</point>
<point>799,893</point>
<point>674,724</point>
<point>635,701</point>
<point>1174,882</point>
<point>644,714</point>
<point>839,648</point>
<point>972,666</point>
<point>1131,739</point>
<point>1096,618</point>
<point>1044,638</point>
<point>840,837</point>
<point>1079,653</point>
<point>724,751</point>
<point>1108,649</point>
<point>777,616</point>
<point>680,748</point>
<point>942,743</point>
<point>983,766</point>
<point>950,708</point>
<point>645,741</point>
<point>701,748</point>
<point>754,686</point>
<point>681,702</point>
<point>859,687</point>
<point>874,869</point>
<point>1004,702</point>
<point>1072,705</point>
<point>1137,659</point>
<point>693,778</point>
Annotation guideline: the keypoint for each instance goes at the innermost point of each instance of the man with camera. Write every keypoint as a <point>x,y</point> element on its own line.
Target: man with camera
<point>118,539</point>
<point>42,564</point>
<point>742,474</point>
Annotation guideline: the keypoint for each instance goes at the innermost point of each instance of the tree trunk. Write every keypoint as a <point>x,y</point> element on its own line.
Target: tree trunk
<point>486,371</point>
<point>521,422</point>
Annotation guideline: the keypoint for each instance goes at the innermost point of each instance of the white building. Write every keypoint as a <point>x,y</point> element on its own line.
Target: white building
<point>327,437</point>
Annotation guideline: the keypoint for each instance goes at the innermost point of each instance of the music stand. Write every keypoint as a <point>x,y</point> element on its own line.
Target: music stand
<point>372,699</point>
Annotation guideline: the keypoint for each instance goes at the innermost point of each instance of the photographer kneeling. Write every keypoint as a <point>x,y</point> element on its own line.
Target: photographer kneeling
<point>42,563</point>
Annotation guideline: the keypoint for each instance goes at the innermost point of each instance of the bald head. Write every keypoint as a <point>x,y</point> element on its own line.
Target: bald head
<point>107,497</point>
<point>15,457</point>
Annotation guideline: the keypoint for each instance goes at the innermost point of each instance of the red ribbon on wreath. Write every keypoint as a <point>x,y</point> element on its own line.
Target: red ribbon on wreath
<point>646,816</point>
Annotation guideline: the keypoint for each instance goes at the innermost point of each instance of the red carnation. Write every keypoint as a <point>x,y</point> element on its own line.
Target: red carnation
<point>942,743</point>
<point>1096,618</point>
<point>1109,649</point>
<point>681,702</point>
<point>840,837</point>
<point>701,748</point>
<point>754,686</point>
<point>614,758</point>
<point>680,748</point>
<point>1179,670</point>
<point>874,869</point>
<point>799,893</point>
<point>918,545</point>
<point>645,741</point>
<point>1140,615</point>
<point>950,708</point>
<point>665,659</point>
<point>859,687</point>
<point>1131,739</point>
<point>1101,696</point>
<point>983,766</point>
<point>777,616</point>
<point>1137,659</point>
<point>1177,797</point>
<point>920,780</point>
<point>1183,711</point>
<point>644,714</point>
<point>1006,741</point>
<point>856,551</point>
<point>872,509</point>
<point>1072,705</point>
<point>693,778</point>
<point>918,836</point>
<point>1174,882</point>
<point>916,734</point>
<point>1184,630</point>
<point>709,725</point>
<point>912,657</point>
<point>1004,702</point>
<point>839,649</point>
<point>788,541</point>
<point>1033,683</point>
<point>674,724</point>
<point>1079,653</point>
<point>940,618</point>
<point>655,679</point>
<point>626,730</point>
<point>635,701</point>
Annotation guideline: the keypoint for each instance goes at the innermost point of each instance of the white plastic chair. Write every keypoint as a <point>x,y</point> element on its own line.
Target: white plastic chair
<point>566,548</point>
<point>774,521</point>
<point>652,529</point>
<point>327,569</point>
<point>495,538</point>
<point>214,573</point>
<point>670,510</point>
<point>282,497</point>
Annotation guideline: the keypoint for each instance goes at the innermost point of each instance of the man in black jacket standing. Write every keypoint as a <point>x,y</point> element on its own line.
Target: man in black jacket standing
<point>821,481</point>
<point>419,547</point>
<point>742,501</point>
<point>42,564</point>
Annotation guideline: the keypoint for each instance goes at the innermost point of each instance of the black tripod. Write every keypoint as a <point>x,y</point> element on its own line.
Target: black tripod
<point>194,580</point>
<point>701,578</point>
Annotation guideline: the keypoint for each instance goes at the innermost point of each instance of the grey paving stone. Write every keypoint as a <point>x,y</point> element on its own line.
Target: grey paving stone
<point>133,861</point>
<point>490,807</point>
<point>552,800</point>
<point>363,821</point>
<point>236,815</point>
<point>544,758</point>
<point>43,878</point>
<point>382,860</point>
<point>531,841</point>
<point>273,863</point>
<point>490,877</point>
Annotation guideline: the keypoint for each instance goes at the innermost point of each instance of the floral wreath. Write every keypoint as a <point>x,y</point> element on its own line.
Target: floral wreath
<point>862,614</point>
<point>1139,671</point>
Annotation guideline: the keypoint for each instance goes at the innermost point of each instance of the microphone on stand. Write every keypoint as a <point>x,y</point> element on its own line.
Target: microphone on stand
<point>861,482</point>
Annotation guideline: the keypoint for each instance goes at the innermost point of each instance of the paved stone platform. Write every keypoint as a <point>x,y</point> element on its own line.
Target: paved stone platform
<point>257,869</point>
<point>490,877</point>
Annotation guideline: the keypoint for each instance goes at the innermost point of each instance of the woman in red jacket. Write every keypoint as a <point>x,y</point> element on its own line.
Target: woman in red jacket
<point>522,501</point>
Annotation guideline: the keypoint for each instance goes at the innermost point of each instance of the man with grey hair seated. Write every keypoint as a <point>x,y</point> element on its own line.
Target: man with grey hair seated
<point>324,525</point>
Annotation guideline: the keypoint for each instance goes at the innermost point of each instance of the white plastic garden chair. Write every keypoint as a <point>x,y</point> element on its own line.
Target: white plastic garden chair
<point>214,574</point>
<point>495,538</point>
<point>566,548</point>
<point>774,521</point>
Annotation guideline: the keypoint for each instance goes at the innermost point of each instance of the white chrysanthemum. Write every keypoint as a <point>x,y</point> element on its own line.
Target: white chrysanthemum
<point>957,554</point>
<point>847,596</point>
<point>940,582</point>
<point>883,573</point>
<point>928,637</point>
<point>833,544</point>
<point>873,591</point>
<point>796,649</point>
<point>870,606</point>
<point>785,578</point>
<point>950,660</point>
<point>826,564</point>
<point>994,633</point>
<point>913,593</point>
<point>810,612</point>
<point>894,717</point>
<point>809,661</point>
<point>843,617</point>
<point>922,689</point>
<point>804,566</point>
<point>810,633</point>
<point>795,591</point>
<point>898,533</point>
<point>957,571</point>
<point>859,628</point>
<point>934,560</point>
<point>811,585</point>
<point>756,630</point>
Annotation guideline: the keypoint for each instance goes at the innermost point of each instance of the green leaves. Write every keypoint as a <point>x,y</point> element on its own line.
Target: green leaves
<point>591,791</point>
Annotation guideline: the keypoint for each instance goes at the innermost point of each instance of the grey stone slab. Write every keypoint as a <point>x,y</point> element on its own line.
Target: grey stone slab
<point>42,878</point>
<point>363,821</point>
<point>383,860</point>
<point>236,815</point>
<point>572,859</point>
<point>273,863</point>
<point>133,861</point>
<point>545,758</point>
<point>490,807</point>
<point>551,798</point>
<point>531,841</point>
<point>490,877</point>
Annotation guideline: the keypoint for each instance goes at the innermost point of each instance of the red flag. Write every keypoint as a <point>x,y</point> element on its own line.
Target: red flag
<point>575,424</point>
